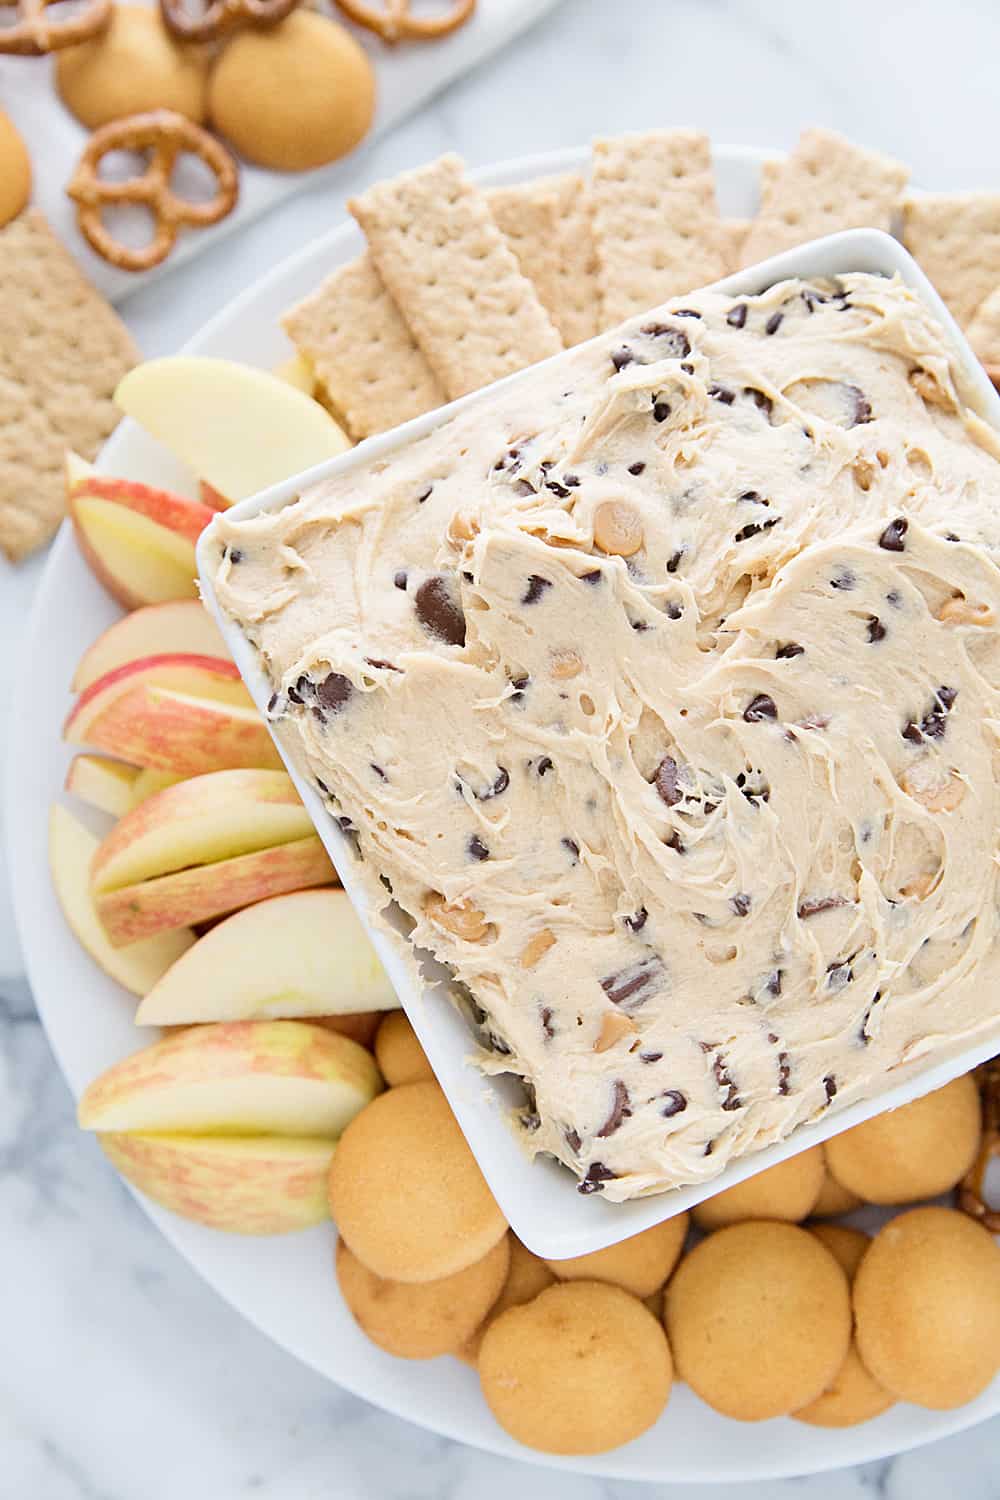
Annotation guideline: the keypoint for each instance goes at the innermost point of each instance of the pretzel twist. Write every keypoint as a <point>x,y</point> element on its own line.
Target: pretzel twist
<point>221,17</point>
<point>394,21</point>
<point>971,1198</point>
<point>34,34</point>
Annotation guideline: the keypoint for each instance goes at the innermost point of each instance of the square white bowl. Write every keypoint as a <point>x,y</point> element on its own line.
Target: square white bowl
<point>540,1197</point>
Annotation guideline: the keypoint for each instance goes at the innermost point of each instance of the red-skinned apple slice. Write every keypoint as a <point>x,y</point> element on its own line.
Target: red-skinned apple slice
<point>103,783</point>
<point>139,541</point>
<point>187,897</point>
<point>181,626</point>
<point>310,958</point>
<point>181,713</point>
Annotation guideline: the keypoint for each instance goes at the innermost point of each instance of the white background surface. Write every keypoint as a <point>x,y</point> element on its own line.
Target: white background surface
<point>121,1376</point>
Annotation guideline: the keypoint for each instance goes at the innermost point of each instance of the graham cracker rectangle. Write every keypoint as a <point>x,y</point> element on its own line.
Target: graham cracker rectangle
<point>453,276</point>
<point>656,224</point>
<point>956,239</point>
<point>984,330</point>
<point>734,232</point>
<point>63,350</point>
<point>827,184</point>
<point>351,332</point>
<point>547,225</point>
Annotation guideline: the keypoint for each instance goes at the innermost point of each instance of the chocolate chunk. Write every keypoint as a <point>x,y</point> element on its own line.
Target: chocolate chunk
<point>399,579</point>
<point>760,708</point>
<point>754,528</point>
<point>892,537</point>
<point>543,764</point>
<point>597,1173</point>
<point>741,903</point>
<point>813,905</point>
<point>622,357</point>
<point>676,343</point>
<point>736,317</point>
<point>911,731</point>
<point>760,400</point>
<point>636,468</point>
<point>673,841</point>
<point>572,1140</point>
<point>547,1022</point>
<point>788,650</point>
<point>876,630</point>
<point>344,824</point>
<point>637,921</point>
<point>557,489</point>
<point>722,393</point>
<point>438,611</point>
<point>300,690</point>
<point>536,588</point>
<point>675,1102</point>
<point>425,494</point>
<point>774,322</point>
<point>844,580</point>
<point>665,781</point>
<point>650,1057</point>
<point>620,1111</point>
<point>234,555</point>
<point>673,610</point>
<point>378,771</point>
<point>830,1084</point>
<point>477,849</point>
<point>784,1072</point>
<point>634,984</point>
<point>500,785</point>
<point>661,411</point>
<point>752,497</point>
<point>773,986</point>
<point>572,848</point>
<point>333,692</point>
<point>594,576</point>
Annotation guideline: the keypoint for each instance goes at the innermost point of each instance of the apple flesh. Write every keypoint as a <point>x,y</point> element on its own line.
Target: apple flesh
<point>268,1185</point>
<point>181,713</point>
<point>104,784</point>
<point>297,371</point>
<point>305,954</point>
<point>135,968</point>
<point>198,895</point>
<point>138,541</point>
<point>181,626</point>
<point>149,782</point>
<point>240,1078</point>
<point>239,429</point>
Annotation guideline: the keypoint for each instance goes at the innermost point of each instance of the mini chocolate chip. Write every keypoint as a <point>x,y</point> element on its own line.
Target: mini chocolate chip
<point>725,1081</point>
<point>597,1173</point>
<point>773,986</point>
<point>894,597</point>
<point>385,666</point>
<point>235,555</point>
<point>399,579</point>
<point>813,905</point>
<point>477,849</point>
<point>722,393</point>
<point>830,1084</point>
<point>547,1021</point>
<point>676,1102</point>
<point>557,489</point>
<point>572,848</point>
<point>300,690</point>
<point>272,703</point>
<point>784,1072</point>
<point>378,771</point>
<point>634,983</point>
<point>499,786</point>
<point>788,650</point>
<point>572,1140</point>
<point>845,580</point>
<point>536,588</point>
<point>438,612</point>
<point>911,732</point>
<point>892,537</point>
<point>543,765</point>
<point>547,464</point>
<point>760,400</point>
<point>746,532</point>
<point>622,357</point>
<point>752,497</point>
<point>469,577</point>
<point>636,468</point>
<point>639,626</point>
<point>637,921</point>
<point>672,610</point>
<point>522,487</point>
<point>573,480</point>
<point>661,411</point>
<point>741,903</point>
<point>876,630</point>
<point>344,824</point>
<point>839,976</point>
<point>760,708</point>
<point>594,576</point>
<point>950,536</point>
<point>673,841</point>
<point>678,344</point>
<point>665,781</point>
<point>774,322</point>
<point>684,312</point>
<point>736,316</point>
<point>334,691</point>
<point>425,494</point>
<point>620,1111</point>
<point>947,696</point>
<point>650,1057</point>
<point>686,367</point>
<point>673,563</point>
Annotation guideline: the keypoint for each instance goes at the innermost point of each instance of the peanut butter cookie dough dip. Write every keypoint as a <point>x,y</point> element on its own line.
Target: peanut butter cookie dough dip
<point>661,691</point>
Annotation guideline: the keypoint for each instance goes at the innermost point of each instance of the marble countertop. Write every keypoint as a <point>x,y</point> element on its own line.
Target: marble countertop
<point>122,1376</point>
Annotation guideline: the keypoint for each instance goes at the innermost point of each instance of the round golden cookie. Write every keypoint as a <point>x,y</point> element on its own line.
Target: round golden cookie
<point>406,1192</point>
<point>927,1307</point>
<point>640,1264</point>
<point>420,1320</point>
<point>294,96</point>
<point>528,1275</point>
<point>787,1191</point>
<point>15,171</point>
<point>759,1319</point>
<point>133,67</point>
<point>834,1199</point>
<point>853,1395</point>
<point>580,1369</point>
<point>916,1151</point>
<point>400,1057</point>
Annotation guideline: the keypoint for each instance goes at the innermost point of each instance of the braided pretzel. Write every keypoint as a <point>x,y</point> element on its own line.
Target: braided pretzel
<point>165,135</point>
<point>394,21</point>
<point>222,16</point>
<point>970,1192</point>
<point>34,35</point>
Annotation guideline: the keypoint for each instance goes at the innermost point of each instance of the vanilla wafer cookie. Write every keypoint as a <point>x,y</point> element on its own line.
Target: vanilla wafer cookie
<point>657,229</point>
<point>453,276</point>
<point>956,239</point>
<point>547,225</point>
<point>827,184</point>
<point>351,332</point>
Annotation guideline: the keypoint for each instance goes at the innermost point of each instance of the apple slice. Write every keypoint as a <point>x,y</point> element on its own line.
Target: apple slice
<point>105,784</point>
<point>242,1078</point>
<point>181,713</point>
<point>136,968</point>
<point>267,1185</point>
<point>206,891</point>
<point>297,371</point>
<point>211,497</point>
<point>138,541</point>
<point>181,626</point>
<point>305,954</point>
<point>238,428</point>
<point>149,782</point>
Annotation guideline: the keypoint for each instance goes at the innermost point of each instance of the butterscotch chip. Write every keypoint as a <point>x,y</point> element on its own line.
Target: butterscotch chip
<point>939,795</point>
<point>400,1057</point>
<point>15,171</point>
<point>536,948</point>
<point>582,1368</point>
<point>617,528</point>
<point>527,1277</point>
<point>294,96</point>
<point>566,663</point>
<point>927,1305</point>
<point>917,1151</point>
<point>640,1264</point>
<point>421,1320</point>
<point>759,1319</point>
<point>962,611</point>
<point>834,1199</point>
<point>787,1191</point>
<point>614,1026</point>
<point>133,67</point>
<point>460,918</point>
<point>406,1192</point>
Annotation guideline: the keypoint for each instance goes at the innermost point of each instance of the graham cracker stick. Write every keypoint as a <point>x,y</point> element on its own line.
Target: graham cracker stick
<point>547,225</point>
<point>63,350</point>
<point>656,225</point>
<point>453,276</point>
<point>956,239</point>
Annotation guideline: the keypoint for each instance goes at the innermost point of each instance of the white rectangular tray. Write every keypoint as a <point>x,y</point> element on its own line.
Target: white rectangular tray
<point>540,1198</point>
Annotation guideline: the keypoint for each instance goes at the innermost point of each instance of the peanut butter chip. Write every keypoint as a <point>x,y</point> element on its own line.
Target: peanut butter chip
<point>613,1027</point>
<point>460,918</point>
<point>537,947</point>
<point>936,796</point>
<point>960,611</point>
<point>617,528</point>
<point>565,664</point>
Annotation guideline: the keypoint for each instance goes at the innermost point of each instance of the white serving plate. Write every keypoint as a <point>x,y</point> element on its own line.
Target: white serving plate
<point>285,1285</point>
